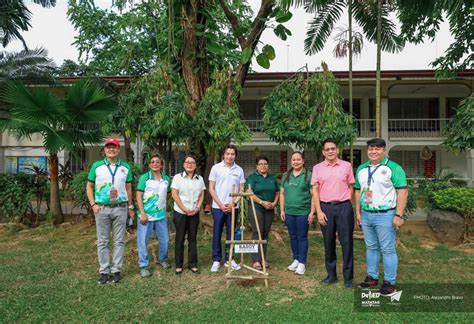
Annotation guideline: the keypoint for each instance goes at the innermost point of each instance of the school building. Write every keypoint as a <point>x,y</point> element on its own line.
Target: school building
<point>415,107</point>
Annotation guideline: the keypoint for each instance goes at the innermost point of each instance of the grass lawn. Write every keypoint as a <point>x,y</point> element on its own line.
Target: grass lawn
<point>50,275</point>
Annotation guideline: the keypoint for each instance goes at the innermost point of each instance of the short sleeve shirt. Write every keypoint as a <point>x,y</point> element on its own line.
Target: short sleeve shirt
<point>263,187</point>
<point>333,180</point>
<point>297,193</point>
<point>225,178</point>
<point>101,175</point>
<point>154,195</point>
<point>386,178</point>
<point>189,190</point>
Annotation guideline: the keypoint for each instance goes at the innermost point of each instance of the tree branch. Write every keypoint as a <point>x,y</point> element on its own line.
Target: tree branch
<point>234,22</point>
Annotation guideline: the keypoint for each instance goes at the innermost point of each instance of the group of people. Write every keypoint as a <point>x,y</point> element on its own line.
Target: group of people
<point>330,193</point>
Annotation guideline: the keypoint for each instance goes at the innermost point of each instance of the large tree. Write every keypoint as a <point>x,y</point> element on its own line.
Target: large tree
<point>25,65</point>
<point>65,123</point>
<point>15,18</point>
<point>199,39</point>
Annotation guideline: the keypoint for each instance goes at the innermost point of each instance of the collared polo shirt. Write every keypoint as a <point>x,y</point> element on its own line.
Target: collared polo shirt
<point>263,187</point>
<point>189,190</point>
<point>388,177</point>
<point>225,177</point>
<point>333,180</point>
<point>100,175</point>
<point>154,195</point>
<point>297,193</point>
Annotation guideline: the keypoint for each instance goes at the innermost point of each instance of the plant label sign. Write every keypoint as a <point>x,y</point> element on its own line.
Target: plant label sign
<point>246,248</point>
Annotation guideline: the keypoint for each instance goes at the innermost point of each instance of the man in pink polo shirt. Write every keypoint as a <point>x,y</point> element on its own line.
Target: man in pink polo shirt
<point>333,190</point>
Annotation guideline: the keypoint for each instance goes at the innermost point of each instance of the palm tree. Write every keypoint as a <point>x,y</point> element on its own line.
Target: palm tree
<point>15,18</point>
<point>327,13</point>
<point>64,123</point>
<point>25,65</point>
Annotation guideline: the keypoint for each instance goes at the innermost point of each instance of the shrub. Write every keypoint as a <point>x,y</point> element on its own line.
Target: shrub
<point>16,196</point>
<point>459,200</point>
<point>77,190</point>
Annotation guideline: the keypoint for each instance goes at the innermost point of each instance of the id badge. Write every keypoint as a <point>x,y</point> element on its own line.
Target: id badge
<point>113,194</point>
<point>368,197</point>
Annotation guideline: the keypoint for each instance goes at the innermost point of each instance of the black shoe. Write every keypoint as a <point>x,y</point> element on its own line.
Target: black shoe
<point>387,289</point>
<point>348,284</point>
<point>104,278</point>
<point>329,280</point>
<point>116,277</point>
<point>369,282</point>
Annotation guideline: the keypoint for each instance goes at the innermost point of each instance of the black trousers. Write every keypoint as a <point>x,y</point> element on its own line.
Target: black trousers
<point>185,225</point>
<point>265,219</point>
<point>341,220</point>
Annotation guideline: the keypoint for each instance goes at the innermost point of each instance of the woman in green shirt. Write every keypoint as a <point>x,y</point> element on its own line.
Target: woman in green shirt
<point>297,209</point>
<point>265,189</point>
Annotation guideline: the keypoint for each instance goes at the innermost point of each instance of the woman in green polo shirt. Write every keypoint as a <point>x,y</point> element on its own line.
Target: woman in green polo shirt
<point>265,188</point>
<point>297,210</point>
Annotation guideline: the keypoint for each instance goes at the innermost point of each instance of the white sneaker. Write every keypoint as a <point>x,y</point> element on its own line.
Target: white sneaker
<point>235,266</point>
<point>301,269</point>
<point>215,266</point>
<point>293,266</point>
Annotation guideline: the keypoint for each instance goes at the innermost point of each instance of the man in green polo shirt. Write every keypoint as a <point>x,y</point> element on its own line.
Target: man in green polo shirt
<point>109,190</point>
<point>381,197</point>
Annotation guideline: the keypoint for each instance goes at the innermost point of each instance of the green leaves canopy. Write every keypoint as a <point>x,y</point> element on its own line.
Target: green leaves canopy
<point>305,112</point>
<point>459,133</point>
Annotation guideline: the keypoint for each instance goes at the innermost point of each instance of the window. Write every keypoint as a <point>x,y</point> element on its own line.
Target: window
<point>410,162</point>
<point>404,108</point>
<point>246,160</point>
<point>251,109</point>
<point>355,107</point>
<point>451,106</point>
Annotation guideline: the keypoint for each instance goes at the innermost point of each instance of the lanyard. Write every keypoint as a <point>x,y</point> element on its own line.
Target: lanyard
<point>371,174</point>
<point>112,173</point>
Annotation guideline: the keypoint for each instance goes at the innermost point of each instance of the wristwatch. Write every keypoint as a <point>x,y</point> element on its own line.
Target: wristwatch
<point>398,215</point>
<point>131,207</point>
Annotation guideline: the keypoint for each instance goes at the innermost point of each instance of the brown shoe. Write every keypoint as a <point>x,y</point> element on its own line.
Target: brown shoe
<point>257,265</point>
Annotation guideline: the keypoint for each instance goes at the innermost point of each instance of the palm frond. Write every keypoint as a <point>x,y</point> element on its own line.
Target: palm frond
<point>46,3</point>
<point>57,140</point>
<point>366,16</point>
<point>35,106</point>
<point>26,64</point>
<point>14,18</point>
<point>86,102</point>
<point>321,26</point>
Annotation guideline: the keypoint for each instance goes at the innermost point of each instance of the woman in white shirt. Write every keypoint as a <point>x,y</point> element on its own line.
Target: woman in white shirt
<point>188,193</point>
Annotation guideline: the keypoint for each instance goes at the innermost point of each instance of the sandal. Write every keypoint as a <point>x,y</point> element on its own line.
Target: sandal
<point>178,271</point>
<point>194,269</point>
<point>257,266</point>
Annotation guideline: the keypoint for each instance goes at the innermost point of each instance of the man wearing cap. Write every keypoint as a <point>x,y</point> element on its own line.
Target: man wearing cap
<point>109,190</point>
<point>381,197</point>
<point>332,182</point>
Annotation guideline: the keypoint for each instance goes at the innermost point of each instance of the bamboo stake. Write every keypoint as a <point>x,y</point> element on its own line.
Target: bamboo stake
<point>232,235</point>
<point>264,263</point>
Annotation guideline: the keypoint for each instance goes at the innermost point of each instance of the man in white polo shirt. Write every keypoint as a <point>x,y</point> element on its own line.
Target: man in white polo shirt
<point>223,177</point>
<point>109,190</point>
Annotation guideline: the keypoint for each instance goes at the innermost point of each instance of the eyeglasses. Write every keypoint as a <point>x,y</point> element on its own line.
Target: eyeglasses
<point>155,162</point>
<point>189,162</point>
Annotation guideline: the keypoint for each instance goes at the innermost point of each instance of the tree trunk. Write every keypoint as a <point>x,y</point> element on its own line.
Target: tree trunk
<point>54,199</point>
<point>378,131</point>
<point>128,149</point>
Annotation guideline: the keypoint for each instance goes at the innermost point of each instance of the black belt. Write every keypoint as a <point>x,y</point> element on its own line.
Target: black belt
<point>125,204</point>
<point>334,202</point>
<point>379,211</point>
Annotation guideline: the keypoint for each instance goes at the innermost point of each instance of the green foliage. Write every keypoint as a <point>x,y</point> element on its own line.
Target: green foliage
<point>77,190</point>
<point>154,106</point>
<point>305,112</point>
<point>28,65</point>
<point>64,123</point>
<point>16,195</point>
<point>217,121</point>
<point>459,133</point>
<point>459,200</point>
<point>411,203</point>
<point>422,19</point>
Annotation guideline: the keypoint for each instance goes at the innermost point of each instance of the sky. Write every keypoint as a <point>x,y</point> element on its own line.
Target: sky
<point>52,30</point>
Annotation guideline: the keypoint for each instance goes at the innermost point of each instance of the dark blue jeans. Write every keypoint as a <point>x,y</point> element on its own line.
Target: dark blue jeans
<point>298,231</point>
<point>221,218</point>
